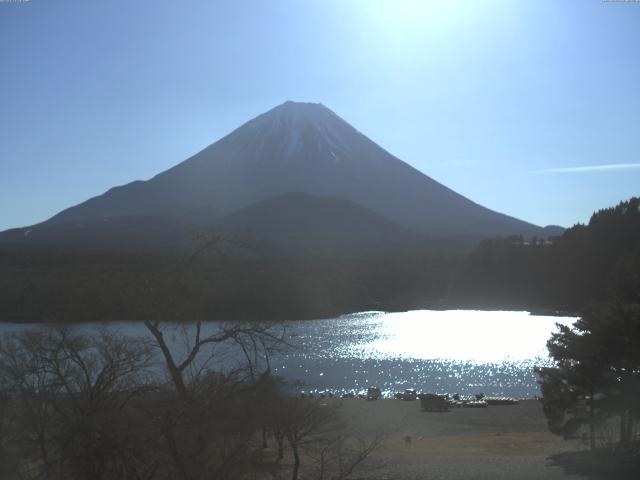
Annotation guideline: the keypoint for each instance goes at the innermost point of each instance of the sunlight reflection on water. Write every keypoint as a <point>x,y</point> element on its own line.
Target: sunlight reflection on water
<point>475,336</point>
<point>448,351</point>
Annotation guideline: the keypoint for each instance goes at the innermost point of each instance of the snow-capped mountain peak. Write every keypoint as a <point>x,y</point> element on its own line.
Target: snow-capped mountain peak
<point>299,147</point>
<point>292,130</point>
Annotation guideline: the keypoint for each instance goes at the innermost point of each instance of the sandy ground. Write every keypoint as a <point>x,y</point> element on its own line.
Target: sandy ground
<point>497,442</point>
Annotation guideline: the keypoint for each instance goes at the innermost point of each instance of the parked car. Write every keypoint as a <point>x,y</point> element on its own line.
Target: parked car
<point>374,393</point>
<point>430,402</point>
<point>409,394</point>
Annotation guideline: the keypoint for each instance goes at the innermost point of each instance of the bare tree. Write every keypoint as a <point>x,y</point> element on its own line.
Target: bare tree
<point>257,341</point>
<point>6,462</point>
<point>305,421</point>
<point>71,393</point>
<point>339,455</point>
<point>88,406</point>
<point>213,409</point>
<point>316,431</point>
<point>208,415</point>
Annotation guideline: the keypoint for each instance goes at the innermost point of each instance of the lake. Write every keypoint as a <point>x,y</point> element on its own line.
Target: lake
<point>448,351</point>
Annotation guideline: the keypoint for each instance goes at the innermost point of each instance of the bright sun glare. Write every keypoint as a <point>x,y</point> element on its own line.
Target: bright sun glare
<point>408,17</point>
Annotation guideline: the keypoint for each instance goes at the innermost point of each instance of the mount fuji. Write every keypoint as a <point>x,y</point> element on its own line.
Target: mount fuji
<point>294,156</point>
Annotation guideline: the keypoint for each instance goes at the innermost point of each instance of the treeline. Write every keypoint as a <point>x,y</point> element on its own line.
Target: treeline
<point>78,407</point>
<point>597,372</point>
<point>564,273</point>
<point>224,282</point>
<point>216,285</point>
<point>592,389</point>
<point>595,382</point>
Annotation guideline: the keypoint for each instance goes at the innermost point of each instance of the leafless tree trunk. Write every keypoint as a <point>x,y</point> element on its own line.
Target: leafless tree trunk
<point>72,390</point>
<point>341,455</point>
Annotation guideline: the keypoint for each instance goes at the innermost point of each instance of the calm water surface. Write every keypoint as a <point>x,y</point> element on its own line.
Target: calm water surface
<point>451,351</point>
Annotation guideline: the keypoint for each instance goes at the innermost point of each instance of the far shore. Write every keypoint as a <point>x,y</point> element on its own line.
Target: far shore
<point>538,312</point>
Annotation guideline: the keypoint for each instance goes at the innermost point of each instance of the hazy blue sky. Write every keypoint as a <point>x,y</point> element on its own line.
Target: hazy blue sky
<point>531,108</point>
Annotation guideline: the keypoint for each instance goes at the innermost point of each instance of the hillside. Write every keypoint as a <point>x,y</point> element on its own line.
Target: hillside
<point>302,224</point>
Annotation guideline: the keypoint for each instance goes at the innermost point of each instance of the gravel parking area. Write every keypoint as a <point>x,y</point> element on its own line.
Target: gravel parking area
<point>497,442</point>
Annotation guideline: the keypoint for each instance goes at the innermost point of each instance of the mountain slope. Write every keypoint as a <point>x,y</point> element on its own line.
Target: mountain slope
<point>297,147</point>
<point>124,234</point>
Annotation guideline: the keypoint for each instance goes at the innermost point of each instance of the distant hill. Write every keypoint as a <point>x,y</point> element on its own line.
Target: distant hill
<point>295,147</point>
<point>303,224</point>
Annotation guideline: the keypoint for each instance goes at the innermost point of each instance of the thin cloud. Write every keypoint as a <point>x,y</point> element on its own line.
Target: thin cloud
<point>593,168</point>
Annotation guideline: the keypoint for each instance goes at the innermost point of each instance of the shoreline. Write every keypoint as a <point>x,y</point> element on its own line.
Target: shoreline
<point>534,312</point>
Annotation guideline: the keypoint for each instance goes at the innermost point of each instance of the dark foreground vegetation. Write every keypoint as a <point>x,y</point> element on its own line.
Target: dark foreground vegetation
<point>593,389</point>
<point>596,380</point>
<point>39,287</point>
<point>90,407</point>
